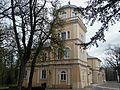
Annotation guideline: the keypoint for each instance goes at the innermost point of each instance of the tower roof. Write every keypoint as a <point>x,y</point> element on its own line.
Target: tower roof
<point>69,5</point>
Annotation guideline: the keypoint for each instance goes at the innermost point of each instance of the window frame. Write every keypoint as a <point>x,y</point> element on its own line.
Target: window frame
<point>45,56</point>
<point>67,53</point>
<point>63,76</point>
<point>68,34</point>
<point>58,54</point>
<point>74,13</point>
<point>43,75</point>
<point>63,35</point>
<point>64,14</point>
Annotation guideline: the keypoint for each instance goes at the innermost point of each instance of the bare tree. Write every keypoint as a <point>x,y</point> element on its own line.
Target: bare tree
<point>107,12</point>
<point>113,59</point>
<point>34,24</point>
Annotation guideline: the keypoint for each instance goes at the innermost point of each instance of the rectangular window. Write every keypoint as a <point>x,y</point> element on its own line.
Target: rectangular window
<point>74,13</point>
<point>63,77</point>
<point>58,54</point>
<point>68,34</point>
<point>43,74</point>
<point>63,34</point>
<point>67,53</point>
<point>64,15</point>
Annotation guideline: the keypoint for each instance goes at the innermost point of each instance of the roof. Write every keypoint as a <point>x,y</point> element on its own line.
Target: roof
<point>88,56</point>
<point>70,6</point>
<point>91,57</point>
<point>73,7</point>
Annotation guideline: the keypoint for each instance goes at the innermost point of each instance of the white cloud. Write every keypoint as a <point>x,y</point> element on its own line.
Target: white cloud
<point>111,36</point>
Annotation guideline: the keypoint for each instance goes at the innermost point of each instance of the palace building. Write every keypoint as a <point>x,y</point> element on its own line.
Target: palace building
<point>74,70</point>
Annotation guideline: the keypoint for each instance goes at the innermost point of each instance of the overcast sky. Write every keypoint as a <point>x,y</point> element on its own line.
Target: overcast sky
<point>112,36</point>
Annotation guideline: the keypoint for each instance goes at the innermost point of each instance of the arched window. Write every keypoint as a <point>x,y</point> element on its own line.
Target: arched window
<point>63,76</point>
<point>67,53</point>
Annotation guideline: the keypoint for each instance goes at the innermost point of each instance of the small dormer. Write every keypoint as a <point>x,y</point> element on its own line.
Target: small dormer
<point>69,11</point>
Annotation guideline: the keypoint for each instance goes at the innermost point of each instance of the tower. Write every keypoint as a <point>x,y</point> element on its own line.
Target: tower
<point>75,32</point>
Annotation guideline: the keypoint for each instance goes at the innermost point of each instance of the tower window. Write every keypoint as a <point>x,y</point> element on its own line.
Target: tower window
<point>67,53</point>
<point>63,34</point>
<point>74,13</point>
<point>63,14</point>
<point>58,54</point>
<point>68,34</point>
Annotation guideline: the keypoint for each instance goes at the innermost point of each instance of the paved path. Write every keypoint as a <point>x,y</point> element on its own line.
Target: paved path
<point>105,86</point>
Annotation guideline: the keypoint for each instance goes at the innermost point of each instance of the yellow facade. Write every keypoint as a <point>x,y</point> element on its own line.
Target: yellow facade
<point>72,71</point>
<point>96,73</point>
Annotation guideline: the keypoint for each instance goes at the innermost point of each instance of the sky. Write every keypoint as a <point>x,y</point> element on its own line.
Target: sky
<point>112,35</point>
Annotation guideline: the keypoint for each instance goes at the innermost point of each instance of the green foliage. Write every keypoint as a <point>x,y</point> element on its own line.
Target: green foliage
<point>7,57</point>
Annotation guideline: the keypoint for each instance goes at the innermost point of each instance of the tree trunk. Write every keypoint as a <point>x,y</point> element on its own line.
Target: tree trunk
<point>31,74</point>
<point>21,75</point>
<point>119,78</point>
<point>32,70</point>
<point>33,67</point>
<point>118,75</point>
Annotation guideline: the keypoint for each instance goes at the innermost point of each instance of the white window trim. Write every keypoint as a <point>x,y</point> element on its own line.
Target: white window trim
<point>63,14</point>
<point>66,35</point>
<point>41,74</point>
<point>68,52</point>
<point>61,74</point>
